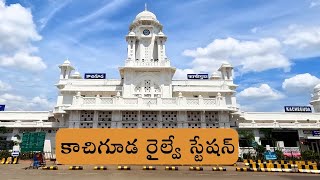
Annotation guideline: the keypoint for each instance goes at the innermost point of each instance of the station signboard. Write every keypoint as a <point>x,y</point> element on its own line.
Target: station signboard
<point>298,109</point>
<point>95,75</point>
<point>33,141</point>
<point>316,133</point>
<point>147,146</point>
<point>198,76</point>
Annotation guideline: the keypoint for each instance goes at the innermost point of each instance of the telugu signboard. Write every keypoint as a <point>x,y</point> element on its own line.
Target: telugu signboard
<point>95,75</point>
<point>270,155</point>
<point>315,133</point>
<point>33,141</point>
<point>297,109</point>
<point>147,146</point>
<point>198,76</point>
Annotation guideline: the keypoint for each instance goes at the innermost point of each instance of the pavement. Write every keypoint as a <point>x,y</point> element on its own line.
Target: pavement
<point>17,171</point>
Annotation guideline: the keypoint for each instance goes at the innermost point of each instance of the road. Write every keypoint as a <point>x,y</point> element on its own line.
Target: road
<point>17,172</point>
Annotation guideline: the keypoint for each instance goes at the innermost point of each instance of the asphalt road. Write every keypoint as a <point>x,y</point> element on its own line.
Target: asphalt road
<point>17,172</point>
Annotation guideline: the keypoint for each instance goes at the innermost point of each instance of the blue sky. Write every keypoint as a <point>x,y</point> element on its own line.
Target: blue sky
<point>273,45</point>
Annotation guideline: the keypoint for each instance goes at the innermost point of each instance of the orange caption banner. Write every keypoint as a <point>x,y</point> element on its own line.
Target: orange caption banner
<point>147,146</point>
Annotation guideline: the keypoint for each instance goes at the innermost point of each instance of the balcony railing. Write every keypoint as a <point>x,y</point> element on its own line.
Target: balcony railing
<point>279,124</point>
<point>176,102</point>
<point>29,124</point>
<point>159,63</point>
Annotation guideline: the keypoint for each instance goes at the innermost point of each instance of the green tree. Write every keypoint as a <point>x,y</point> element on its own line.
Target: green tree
<point>268,136</point>
<point>3,129</point>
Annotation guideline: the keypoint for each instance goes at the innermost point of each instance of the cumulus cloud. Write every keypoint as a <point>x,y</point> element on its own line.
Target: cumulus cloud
<point>182,73</point>
<point>5,86</point>
<point>300,83</point>
<point>304,41</point>
<point>17,32</point>
<point>16,102</point>
<point>263,92</point>
<point>248,56</point>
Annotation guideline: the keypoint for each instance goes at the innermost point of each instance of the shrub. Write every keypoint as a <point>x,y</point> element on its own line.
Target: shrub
<point>4,154</point>
<point>309,155</point>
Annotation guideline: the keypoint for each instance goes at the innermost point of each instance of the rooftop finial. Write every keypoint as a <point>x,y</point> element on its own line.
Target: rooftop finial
<point>145,7</point>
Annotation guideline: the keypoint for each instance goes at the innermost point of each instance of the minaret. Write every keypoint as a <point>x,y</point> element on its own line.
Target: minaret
<point>315,102</point>
<point>65,69</point>
<point>226,70</point>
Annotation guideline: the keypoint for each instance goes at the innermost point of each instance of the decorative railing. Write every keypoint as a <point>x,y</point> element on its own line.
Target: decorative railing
<point>169,101</point>
<point>147,102</point>
<point>106,100</point>
<point>158,63</point>
<point>279,124</point>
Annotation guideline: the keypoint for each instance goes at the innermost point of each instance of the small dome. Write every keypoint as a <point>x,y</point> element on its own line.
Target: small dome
<point>215,75</point>
<point>132,33</point>
<point>76,75</point>
<point>66,62</point>
<point>146,15</point>
<point>161,33</point>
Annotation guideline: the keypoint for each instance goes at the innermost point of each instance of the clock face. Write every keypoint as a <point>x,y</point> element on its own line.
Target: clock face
<point>146,32</point>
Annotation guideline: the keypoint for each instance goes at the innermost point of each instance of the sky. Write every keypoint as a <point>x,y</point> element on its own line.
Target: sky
<point>273,45</point>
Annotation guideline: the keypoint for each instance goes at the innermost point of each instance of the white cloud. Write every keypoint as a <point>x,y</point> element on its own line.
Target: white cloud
<point>314,4</point>
<point>263,92</point>
<point>182,73</point>
<point>256,56</point>
<point>17,32</point>
<point>303,37</point>
<point>23,60</point>
<point>254,30</point>
<point>16,102</point>
<point>110,7</point>
<point>58,5</point>
<point>300,83</point>
<point>5,86</point>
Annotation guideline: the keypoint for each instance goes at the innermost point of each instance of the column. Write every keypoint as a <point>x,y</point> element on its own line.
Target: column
<point>159,119</point>
<point>203,119</point>
<point>256,134</point>
<point>159,51</point>
<point>95,119</point>
<point>116,121</point>
<point>182,119</point>
<point>139,120</point>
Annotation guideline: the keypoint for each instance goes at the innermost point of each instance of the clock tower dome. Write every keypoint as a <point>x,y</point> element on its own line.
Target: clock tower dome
<point>147,71</point>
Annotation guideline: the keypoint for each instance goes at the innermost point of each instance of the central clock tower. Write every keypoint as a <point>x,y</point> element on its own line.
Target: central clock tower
<point>147,72</point>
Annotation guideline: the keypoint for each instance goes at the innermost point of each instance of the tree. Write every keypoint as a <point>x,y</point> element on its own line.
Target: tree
<point>3,129</point>
<point>268,136</point>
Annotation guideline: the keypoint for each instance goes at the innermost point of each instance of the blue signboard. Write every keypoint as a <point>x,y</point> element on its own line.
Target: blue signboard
<point>297,109</point>
<point>2,107</point>
<point>270,155</point>
<point>315,133</point>
<point>198,76</point>
<point>95,75</point>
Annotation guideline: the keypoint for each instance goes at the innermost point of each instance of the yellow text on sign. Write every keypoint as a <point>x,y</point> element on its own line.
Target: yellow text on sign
<point>147,146</point>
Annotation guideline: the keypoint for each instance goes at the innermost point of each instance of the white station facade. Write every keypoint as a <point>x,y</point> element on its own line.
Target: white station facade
<point>146,96</point>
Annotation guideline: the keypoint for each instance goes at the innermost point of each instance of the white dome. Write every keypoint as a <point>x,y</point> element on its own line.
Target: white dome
<point>76,75</point>
<point>161,33</point>
<point>66,62</point>
<point>132,33</point>
<point>215,75</point>
<point>146,15</point>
